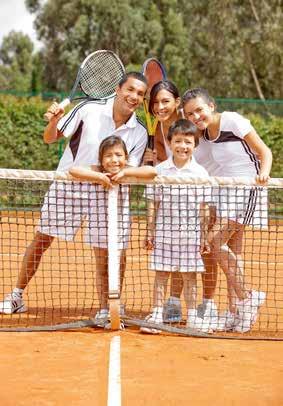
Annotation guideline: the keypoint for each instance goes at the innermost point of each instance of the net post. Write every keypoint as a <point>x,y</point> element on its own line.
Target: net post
<point>113,259</point>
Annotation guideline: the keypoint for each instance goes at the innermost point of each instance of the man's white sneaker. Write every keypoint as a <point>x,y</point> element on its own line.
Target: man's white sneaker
<point>156,318</point>
<point>248,311</point>
<point>12,304</point>
<point>195,322</point>
<point>172,310</point>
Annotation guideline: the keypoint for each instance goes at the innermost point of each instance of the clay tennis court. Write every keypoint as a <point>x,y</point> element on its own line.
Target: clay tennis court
<point>71,367</point>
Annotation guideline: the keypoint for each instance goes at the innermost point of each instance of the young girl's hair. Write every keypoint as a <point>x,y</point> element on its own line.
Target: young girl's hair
<point>162,85</point>
<point>197,92</point>
<point>184,127</point>
<point>110,142</point>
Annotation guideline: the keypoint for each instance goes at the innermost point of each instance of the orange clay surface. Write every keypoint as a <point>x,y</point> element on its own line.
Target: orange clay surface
<point>71,368</point>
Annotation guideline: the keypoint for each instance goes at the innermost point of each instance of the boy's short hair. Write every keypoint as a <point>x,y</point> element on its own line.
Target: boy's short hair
<point>136,75</point>
<point>184,127</point>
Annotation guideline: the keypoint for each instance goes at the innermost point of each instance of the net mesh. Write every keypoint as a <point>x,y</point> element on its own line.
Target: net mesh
<point>101,74</point>
<point>70,284</point>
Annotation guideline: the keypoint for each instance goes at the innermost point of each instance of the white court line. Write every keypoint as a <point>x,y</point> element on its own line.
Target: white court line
<point>114,373</point>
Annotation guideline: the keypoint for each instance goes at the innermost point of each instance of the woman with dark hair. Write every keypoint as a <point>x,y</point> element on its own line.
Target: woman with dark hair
<point>164,104</point>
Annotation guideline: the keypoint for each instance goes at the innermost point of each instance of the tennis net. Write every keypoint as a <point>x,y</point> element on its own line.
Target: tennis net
<point>59,229</point>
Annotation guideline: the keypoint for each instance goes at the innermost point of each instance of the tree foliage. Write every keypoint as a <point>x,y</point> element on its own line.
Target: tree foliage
<point>233,48</point>
<point>16,62</point>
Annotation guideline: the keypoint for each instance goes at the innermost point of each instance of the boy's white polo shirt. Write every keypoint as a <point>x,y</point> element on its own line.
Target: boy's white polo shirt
<point>191,168</point>
<point>89,123</point>
<point>177,226</point>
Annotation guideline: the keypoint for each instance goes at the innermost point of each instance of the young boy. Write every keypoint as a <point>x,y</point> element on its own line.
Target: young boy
<point>177,225</point>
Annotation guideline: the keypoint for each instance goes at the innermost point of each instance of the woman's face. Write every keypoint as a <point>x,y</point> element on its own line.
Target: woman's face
<point>165,105</point>
<point>199,112</point>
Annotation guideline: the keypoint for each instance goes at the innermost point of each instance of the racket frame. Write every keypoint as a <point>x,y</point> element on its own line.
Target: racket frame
<point>151,123</point>
<point>64,103</point>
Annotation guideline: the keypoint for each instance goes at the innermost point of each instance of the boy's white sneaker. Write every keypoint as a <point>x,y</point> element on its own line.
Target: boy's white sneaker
<point>155,317</point>
<point>209,312</point>
<point>12,304</point>
<point>195,322</point>
<point>172,310</point>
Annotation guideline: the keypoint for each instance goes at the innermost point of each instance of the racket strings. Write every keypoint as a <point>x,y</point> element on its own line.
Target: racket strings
<point>101,74</point>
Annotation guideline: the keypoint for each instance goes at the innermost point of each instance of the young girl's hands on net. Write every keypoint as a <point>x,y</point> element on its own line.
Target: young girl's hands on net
<point>117,176</point>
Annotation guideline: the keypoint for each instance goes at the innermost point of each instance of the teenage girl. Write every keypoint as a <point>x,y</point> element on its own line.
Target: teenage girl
<point>230,146</point>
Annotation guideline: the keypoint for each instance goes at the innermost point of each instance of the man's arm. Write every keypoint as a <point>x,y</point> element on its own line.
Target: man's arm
<point>51,133</point>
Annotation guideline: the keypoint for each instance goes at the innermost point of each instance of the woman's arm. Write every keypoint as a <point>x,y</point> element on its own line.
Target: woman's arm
<point>264,154</point>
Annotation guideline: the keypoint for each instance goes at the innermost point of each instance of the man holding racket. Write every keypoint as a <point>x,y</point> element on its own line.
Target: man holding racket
<point>87,124</point>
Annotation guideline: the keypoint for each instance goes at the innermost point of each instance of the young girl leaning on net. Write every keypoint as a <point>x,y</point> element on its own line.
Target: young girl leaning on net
<point>230,146</point>
<point>113,157</point>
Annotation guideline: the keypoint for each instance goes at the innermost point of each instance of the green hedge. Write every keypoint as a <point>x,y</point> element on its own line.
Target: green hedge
<point>21,129</point>
<point>22,125</point>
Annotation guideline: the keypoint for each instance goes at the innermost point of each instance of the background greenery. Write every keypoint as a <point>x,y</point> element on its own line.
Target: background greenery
<point>232,47</point>
<point>22,125</point>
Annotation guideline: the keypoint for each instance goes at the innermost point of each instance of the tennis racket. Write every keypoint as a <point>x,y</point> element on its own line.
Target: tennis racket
<point>154,72</point>
<point>97,77</point>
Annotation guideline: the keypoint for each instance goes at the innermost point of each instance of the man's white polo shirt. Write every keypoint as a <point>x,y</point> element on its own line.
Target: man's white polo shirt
<point>87,124</point>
